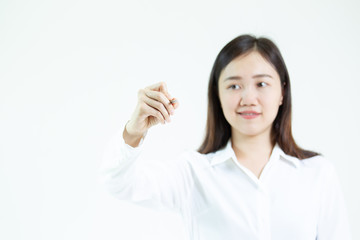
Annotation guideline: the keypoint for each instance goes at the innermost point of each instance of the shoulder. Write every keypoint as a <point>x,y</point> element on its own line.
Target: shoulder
<point>318,161</point>
<point>319,165</point>
<point>193,157</point>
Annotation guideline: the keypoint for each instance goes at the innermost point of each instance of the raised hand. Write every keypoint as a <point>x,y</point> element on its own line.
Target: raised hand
<point>155,105</point>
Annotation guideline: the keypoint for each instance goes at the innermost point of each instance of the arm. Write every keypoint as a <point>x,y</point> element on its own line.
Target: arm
<point>333,221</point>
<point>126,177</point>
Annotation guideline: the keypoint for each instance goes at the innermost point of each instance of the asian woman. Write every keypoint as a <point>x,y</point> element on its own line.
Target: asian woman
<point>249,179</point>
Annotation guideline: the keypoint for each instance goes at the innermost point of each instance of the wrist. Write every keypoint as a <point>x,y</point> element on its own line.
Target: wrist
<point>132,138</point>
<point>132,131</point>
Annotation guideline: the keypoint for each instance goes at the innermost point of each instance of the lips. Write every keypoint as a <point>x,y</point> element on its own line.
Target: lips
<point>249,114</point>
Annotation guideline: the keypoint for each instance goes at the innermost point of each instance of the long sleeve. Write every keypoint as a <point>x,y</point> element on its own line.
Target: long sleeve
<point>155,185</point>
<point>333,221</point>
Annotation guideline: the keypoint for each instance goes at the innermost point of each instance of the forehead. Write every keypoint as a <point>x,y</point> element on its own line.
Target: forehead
<point>249,64</point>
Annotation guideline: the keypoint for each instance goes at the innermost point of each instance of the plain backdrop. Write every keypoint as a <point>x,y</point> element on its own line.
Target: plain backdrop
<point>69,76</point>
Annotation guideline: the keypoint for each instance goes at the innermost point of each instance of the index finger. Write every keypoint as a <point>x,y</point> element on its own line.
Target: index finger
<point>161,87</point>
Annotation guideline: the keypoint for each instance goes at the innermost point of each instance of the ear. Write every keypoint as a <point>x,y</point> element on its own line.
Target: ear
<point>281,100</point>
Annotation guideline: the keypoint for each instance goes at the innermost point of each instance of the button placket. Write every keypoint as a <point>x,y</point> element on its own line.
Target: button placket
<point>264,213</point>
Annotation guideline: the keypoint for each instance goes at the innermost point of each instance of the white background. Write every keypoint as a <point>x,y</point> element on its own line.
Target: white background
<point>69,75</point>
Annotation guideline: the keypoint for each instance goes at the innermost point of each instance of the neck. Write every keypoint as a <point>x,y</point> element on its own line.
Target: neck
<point>252,148</point>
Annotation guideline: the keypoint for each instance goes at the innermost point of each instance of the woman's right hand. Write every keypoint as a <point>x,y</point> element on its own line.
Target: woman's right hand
<point>153,107</point>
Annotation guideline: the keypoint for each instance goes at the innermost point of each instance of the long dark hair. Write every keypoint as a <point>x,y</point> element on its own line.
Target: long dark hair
<point>218,130</point>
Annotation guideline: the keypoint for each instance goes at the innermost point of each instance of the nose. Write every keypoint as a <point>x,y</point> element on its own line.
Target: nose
<point>248,97</point>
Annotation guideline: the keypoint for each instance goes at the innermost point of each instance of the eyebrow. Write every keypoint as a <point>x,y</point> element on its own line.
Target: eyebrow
<point>255,76</point>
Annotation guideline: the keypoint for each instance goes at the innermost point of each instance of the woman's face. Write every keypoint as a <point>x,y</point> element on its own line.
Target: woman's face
<point>250,94</point>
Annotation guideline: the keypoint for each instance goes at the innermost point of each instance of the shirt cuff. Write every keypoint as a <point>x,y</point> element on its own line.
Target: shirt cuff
<point>118,153</point>
<point>127,150</point>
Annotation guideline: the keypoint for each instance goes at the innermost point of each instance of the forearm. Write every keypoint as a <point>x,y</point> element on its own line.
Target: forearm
<point>132,140</point>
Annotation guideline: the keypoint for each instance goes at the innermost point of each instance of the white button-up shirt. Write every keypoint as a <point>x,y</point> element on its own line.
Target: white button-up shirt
<point>220,199</point>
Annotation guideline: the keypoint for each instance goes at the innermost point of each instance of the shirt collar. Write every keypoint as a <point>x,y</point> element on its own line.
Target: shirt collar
<point>228,153</point>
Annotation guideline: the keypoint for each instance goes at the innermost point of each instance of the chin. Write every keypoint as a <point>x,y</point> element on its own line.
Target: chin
<point>250,132</point>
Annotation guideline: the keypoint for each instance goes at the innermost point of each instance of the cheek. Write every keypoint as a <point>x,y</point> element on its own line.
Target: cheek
<point>271,101</point>
<point>228,103</point>
<point>272,104</point>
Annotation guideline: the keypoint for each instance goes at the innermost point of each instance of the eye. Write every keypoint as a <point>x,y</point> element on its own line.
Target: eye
<point>234,87</point>
<point>262,84</point>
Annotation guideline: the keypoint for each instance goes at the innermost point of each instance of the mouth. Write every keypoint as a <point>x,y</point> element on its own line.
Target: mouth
<point>249,114</point>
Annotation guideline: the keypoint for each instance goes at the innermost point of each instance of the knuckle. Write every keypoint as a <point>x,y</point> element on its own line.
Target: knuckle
<point>142,106</point>
<point>163,84</point>
<point>141,92</point>
<point>163,98</point>
<point>157,95</point>
<point>141,99</point>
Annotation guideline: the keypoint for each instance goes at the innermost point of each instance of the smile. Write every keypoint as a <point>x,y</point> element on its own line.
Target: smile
<point>249,114</point>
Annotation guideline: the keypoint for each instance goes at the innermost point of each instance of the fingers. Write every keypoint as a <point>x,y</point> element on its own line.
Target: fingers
<point>160,108</point>
<point>156,114</point>
<point>157,102</point>
<point>160,87</point>
<point>160,97</point>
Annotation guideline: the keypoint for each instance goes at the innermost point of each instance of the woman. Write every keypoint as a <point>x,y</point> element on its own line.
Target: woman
<point>249,179</point>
